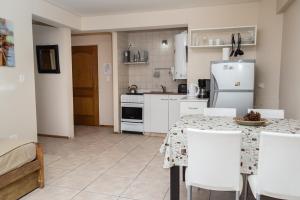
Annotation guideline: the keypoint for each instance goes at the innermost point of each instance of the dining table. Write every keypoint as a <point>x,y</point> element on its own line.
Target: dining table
<point>175,149</point>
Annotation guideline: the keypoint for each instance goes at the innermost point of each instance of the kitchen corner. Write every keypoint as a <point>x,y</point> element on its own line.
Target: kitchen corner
<point>153,63</point>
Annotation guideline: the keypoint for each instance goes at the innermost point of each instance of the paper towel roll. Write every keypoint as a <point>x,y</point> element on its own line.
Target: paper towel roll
<point>226,52</point>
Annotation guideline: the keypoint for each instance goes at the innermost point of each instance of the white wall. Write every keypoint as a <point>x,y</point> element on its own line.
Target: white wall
<point>290,67</point>
<point>213,17</point>
<point>104,43</point>
<point>116,102</point>
<point>53,15</point>
<point>268,55</point>
<point>17,98</point>
<point>54,92</point>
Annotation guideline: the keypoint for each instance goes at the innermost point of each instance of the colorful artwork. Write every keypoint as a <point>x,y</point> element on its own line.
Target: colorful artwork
<point>7,50</point>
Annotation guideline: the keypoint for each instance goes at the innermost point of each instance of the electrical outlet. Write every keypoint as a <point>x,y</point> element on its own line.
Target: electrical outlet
<point>13,136</point>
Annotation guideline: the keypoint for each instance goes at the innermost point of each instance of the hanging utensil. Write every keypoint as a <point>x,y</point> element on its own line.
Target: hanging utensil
<point>238,51</point>
<point>240,44</point>
<point>232,45</point>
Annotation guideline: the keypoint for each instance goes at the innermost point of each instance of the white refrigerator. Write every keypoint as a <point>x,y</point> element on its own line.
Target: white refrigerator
<point>232,85</point>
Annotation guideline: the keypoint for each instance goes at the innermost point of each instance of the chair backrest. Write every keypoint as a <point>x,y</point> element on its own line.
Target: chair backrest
<point>214,159</point>
<point>269,113</point>
<point>220,112</point>
<point>279,165</point>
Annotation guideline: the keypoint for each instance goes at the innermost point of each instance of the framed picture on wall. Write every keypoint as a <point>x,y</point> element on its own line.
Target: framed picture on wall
<point>48,59</point>
<point>7,49</point>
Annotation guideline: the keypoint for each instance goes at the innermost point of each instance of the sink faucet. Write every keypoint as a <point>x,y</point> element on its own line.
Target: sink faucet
<point>164,88</point>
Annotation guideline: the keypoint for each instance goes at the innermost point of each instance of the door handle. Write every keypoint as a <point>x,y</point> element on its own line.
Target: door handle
<point>193,108</point>
<point>186,53</point>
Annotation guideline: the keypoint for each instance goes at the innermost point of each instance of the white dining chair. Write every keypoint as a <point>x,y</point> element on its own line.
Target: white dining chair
<point>220,112</point>
<point>269,113</point>
<point>278,173</point>
<point>213,161</point>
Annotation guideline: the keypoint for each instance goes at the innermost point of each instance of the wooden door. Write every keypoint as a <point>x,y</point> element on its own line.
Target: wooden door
<point>85,85</point>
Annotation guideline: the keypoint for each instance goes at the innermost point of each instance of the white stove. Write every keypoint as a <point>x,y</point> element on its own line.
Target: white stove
<point>132,113</point>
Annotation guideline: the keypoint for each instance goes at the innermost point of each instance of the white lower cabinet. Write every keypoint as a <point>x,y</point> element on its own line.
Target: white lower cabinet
<point>192,107</point>
<point>147,113</point>
<point>161,112</point>
<point>174,109</point>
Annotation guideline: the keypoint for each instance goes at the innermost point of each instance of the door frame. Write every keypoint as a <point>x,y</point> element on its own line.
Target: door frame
<point>95,82</point>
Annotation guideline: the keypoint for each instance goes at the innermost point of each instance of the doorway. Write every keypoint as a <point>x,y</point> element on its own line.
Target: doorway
<point>85,85</point>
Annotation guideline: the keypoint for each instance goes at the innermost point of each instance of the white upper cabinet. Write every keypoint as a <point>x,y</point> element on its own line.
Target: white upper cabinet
<point>181,50</point>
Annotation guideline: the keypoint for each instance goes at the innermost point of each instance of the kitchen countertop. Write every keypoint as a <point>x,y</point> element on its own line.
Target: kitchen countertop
<point>193,99</point>
<point>165,93</point>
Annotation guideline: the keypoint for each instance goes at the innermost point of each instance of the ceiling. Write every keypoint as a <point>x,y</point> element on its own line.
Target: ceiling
<point>106,7</point>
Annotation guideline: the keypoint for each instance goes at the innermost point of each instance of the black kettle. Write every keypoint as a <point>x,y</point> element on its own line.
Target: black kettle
<point>132,89</point>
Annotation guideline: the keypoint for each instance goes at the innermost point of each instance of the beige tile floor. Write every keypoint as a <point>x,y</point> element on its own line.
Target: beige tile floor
<point>100,165</point>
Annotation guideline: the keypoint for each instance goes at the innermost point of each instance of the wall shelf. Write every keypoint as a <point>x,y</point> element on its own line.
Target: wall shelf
<point>221,37</point>
<point>136,63</point>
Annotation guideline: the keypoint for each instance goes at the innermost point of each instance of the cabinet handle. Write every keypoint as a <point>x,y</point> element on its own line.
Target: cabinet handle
<point>193,108</point>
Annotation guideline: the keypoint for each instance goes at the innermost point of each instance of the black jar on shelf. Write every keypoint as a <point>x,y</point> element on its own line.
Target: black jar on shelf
<point>126,56</point>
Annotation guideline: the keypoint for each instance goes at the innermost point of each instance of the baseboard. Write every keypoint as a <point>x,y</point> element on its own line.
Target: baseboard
<point>163,135</point>
<point>53,136</point>
<point>109,126</point>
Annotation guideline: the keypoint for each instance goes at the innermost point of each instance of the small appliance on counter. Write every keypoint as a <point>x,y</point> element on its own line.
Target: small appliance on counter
<point>132,89</point>
<point>182,88</point>
<point>204,86</point>
<point>192,91</point>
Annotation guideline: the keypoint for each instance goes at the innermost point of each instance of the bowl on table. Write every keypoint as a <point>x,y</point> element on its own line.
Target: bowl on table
<point>251,119</point>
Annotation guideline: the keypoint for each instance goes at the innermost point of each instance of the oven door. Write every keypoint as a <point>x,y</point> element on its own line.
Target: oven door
<point>132,112</point>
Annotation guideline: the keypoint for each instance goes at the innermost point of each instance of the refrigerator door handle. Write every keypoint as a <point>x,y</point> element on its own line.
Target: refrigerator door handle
<point>186,54</point>
<point>214,90</point>
<point>235,90</point>
<point>215,83</point>
<point>215,97</point>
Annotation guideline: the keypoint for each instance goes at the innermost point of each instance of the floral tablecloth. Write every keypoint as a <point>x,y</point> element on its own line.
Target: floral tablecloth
<point>174,146</point>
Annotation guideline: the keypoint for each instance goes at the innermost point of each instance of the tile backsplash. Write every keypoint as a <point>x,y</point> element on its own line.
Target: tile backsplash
<point>161,60</point>
<point>123,70</point>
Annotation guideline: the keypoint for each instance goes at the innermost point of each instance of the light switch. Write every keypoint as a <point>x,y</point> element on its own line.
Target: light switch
<point>21,78</point>
<point>261,85</point>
